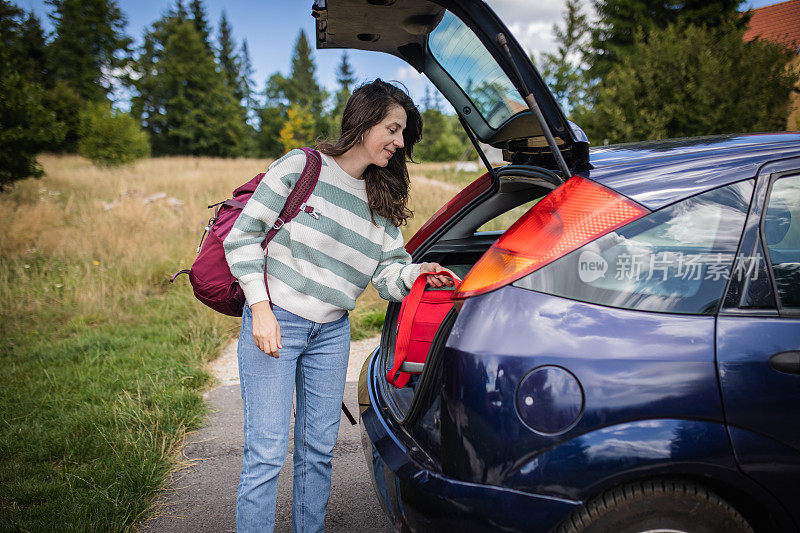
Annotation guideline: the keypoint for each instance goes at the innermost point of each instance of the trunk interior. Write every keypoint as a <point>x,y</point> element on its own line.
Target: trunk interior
<point>457,245</point>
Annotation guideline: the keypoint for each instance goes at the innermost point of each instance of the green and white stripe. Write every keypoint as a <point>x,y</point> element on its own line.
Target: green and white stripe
<point>317,267</point>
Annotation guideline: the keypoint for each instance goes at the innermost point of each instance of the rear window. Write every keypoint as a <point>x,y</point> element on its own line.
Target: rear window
<point>462,55</point>
<point>675,260</point>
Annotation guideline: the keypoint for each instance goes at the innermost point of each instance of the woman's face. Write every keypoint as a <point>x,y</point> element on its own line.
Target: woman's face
<point>385,137</point>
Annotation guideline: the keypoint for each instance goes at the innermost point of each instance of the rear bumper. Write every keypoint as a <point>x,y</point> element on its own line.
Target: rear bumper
<point>419,499</point>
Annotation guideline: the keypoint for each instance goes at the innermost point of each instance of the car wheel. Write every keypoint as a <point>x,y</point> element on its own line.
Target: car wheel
<point>663,506</point>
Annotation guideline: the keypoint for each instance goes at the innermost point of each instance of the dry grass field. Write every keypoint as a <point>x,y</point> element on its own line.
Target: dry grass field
<point>101,358</point>
<point>97,227</point>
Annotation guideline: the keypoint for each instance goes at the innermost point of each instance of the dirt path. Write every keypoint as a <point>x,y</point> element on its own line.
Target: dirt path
<point>201,496</point>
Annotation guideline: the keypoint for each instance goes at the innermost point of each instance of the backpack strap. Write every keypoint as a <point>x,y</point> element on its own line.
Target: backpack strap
<point>299,194</point>
<point>403,340</point>
<point>296,200</point>
<point>178,273</point>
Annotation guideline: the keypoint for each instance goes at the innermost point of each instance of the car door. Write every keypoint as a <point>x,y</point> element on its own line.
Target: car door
<point>758,339</point>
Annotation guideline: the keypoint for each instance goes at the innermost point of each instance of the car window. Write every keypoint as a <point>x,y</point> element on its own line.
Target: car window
<point>677,259</point>
<point>781,231</point>
<point>504,220</point>
<point>462,55</point>
<point>750,287</point>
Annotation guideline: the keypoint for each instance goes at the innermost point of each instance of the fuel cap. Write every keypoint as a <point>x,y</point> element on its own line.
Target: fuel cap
<point>550,399</point>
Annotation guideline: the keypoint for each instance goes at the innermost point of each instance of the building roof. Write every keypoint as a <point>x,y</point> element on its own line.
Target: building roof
<point>779,23</point>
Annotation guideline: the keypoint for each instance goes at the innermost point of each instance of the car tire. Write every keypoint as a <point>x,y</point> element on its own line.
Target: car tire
<point>661,505</point>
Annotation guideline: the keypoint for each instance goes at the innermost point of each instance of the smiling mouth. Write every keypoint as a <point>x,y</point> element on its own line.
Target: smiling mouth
<point>390,152</point>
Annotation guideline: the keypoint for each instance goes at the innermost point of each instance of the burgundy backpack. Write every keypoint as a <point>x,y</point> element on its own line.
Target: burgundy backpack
<point>210,276</point>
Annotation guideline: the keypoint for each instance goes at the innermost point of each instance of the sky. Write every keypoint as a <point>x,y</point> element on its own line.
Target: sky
<point>271,28</point>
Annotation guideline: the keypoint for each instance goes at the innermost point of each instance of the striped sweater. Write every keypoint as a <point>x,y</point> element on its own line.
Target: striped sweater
<point>317,267</point>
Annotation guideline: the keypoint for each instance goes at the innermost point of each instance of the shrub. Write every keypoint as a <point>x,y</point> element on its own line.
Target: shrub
<point>443,138</point>
<point>685,81</point>
<point>110,137</point>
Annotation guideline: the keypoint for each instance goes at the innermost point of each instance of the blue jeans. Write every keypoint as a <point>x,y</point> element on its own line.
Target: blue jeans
<point>314,358</point>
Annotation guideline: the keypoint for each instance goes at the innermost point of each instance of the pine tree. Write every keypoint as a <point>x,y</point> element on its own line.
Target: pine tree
<point>299,90</point>
<point>437,101</point>
<point>179,12</point>
<point>272,117</point>
<point>35,47</point>
<point>88,39</point>
<point>89,45</point>
<point>227,58</point>
<point>299,93</point>
<point>26,125</point>
<point>302,88</point>
<point>426,100</point>
<point>563,70</point>
<point>200,21</point>
<point>184,102</point>
<point>246,82</point>
<point>345,76</point>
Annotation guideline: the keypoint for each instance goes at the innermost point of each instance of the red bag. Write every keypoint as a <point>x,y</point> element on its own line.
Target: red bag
<point>421,314</point>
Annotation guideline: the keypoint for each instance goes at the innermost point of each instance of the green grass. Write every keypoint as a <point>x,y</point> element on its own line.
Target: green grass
<point>366,322</point>
<point>92,411</point>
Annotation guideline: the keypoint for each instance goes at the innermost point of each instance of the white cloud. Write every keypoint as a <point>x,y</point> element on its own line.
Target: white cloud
<point>416,83</point>
<point>408,74</point>
<point>536,37</point>
<point>531,22</point>
<point>510,11</point>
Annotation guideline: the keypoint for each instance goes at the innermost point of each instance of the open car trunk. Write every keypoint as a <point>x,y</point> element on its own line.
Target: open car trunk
<point>457,244</point>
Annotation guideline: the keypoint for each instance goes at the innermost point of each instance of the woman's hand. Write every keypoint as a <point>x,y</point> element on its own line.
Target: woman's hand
<point>437,280</point>
<point>266,331</point>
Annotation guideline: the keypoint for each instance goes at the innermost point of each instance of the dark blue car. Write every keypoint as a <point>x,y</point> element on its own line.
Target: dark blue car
<point>625,356</point>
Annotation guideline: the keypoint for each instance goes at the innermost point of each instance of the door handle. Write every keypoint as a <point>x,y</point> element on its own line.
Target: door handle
<point>786,362</point>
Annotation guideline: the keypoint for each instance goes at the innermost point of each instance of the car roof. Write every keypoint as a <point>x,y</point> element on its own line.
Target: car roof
<point>658,173</point>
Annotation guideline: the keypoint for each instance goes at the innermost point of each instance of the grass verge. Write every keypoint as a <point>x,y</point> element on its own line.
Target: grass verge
<point>92,411</point>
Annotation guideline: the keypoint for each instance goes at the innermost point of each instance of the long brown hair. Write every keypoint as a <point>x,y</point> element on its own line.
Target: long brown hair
<point>387,187</point>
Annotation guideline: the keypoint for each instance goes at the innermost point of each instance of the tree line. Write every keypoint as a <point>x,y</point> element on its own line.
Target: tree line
<point>655,69</point>
<point>190,87</point>
<point>645,69</point>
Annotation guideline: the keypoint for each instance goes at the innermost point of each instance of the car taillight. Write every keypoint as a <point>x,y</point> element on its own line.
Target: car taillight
<point>577,212</point>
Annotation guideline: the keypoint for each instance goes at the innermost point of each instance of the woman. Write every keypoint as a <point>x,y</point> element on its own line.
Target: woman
<point>316,269</point>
